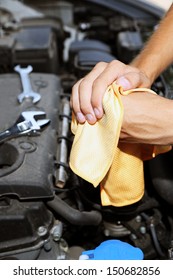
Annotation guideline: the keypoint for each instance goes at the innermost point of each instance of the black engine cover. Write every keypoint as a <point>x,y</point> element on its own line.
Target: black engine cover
<point>23,225</point>
<point>27,162</point>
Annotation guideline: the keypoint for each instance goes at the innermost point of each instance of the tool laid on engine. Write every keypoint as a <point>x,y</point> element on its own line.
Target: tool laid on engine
<point>26,84</point>
<point>29,122</point>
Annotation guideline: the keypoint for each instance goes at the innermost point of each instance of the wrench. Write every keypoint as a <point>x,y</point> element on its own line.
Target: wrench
<point>26,84</point>
<point>29,122</point>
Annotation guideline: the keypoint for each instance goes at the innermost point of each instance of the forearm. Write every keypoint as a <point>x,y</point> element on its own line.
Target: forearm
<point>150,121</point>
<point>87,93</point>
<point>157,54</point>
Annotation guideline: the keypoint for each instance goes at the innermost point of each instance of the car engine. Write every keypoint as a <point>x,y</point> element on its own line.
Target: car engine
<point>46,211</point>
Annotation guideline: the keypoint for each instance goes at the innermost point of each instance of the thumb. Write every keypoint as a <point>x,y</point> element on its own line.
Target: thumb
<point>133,80</point>
<point>124,82</point>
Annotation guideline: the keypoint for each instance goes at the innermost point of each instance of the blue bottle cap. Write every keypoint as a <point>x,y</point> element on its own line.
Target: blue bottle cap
<point>114,250</point>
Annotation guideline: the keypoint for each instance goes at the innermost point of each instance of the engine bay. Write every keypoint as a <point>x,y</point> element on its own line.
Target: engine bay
<point>46,211</point>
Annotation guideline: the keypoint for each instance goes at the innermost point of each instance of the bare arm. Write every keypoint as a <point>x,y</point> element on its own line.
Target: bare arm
<point>158,52</point>
<point>87,94</point>
<point>147,118</point>
<point>151,120</point>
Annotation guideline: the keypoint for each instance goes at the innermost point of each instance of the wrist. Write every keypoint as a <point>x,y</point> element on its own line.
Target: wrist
<point>148,68</point>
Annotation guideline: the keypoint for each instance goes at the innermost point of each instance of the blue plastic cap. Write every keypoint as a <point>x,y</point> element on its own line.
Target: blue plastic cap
<point>114,250</point>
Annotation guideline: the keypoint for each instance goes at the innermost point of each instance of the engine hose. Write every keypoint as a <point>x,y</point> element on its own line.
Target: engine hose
<point>153,234</point>
<point>155,240</point>
<point>72,215</point>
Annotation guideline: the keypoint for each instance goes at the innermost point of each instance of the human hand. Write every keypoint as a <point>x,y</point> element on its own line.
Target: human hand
<point>147,119</point>
<point>87,93</point>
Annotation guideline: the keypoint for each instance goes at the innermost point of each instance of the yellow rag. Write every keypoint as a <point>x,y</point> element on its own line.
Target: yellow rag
<point>98,157</point>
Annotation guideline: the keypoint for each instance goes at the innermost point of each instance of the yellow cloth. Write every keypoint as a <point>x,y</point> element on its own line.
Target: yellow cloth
<point>99,158</point>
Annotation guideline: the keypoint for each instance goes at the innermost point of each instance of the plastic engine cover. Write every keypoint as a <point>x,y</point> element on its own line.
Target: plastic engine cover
<point>27,162</point>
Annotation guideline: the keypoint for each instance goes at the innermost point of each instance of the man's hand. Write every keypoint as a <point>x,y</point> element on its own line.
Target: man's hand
<point>87,93</point>
<point>148,119</point>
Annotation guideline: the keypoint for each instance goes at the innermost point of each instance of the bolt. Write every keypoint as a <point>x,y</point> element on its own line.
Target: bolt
<point>106,232</point>
<point>42,230</point>
<point>138,219</point>
<point>27,146</point>
<point>57,231</point>
<point>47,245</point>
<point>133,236</point>
<point>143,230</point>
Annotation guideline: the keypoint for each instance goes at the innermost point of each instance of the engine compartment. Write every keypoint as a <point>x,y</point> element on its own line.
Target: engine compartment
<point>46,211</point>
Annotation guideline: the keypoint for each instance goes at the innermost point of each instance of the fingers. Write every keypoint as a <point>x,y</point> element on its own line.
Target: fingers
<point>75,104</point>
<point>87,93</point>
<point>100,84</point>
<point>81,96</point>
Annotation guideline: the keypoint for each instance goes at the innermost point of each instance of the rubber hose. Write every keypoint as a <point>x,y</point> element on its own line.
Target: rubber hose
<point>74,216</point>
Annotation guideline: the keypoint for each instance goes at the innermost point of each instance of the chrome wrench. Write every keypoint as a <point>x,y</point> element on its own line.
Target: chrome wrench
<point>28,123</point>
<point>26,84</point>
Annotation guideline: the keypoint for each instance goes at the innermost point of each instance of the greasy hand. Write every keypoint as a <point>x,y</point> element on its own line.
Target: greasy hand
<point>87,93</point>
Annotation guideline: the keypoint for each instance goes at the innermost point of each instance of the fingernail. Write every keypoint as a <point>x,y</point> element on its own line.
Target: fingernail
<point>80,117</point>
<point>97,112</point>
<point>89,117</point>
<point>124,83</point>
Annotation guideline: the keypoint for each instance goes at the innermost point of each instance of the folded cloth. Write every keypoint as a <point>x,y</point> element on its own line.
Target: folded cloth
<point>99,158</point>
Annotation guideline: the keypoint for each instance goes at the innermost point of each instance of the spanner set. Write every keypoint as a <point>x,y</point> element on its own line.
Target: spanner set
<point>25,124</point>
<point>28,139</point>
<point>29,122</point>
<point>26,84</point>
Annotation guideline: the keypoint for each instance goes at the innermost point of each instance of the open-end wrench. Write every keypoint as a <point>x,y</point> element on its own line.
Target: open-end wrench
<point>29,122</point>
<point>26,84</point>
